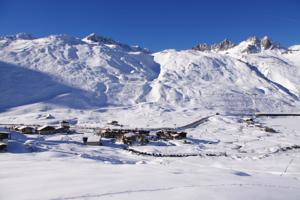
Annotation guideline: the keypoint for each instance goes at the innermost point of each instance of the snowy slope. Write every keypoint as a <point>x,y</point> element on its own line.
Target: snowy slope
<point>215,81</point>
<point>60,167</point>
<point>95,73</point>
<point>276,63</point>
<point>93,80</point>
<point>64,72</point>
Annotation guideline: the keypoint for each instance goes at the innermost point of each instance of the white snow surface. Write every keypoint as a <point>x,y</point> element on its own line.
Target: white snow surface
<point>60,167</point>
<point>90,82</point>
<point>63,72</point>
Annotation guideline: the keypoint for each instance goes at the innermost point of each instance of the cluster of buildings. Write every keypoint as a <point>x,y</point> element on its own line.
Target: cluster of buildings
<point>24,129</point>
<point>43,130</point>
<point>124,136</point>
<point>139,136</point>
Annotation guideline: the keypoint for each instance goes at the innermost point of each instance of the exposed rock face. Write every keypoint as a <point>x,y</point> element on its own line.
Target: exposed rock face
<point>106,40</point>
<point>266,43</point>
<point>256,45</point>
<point>252,44</point>
<point>95,38</point>
<point>222,46</point>
<point>202,47</point>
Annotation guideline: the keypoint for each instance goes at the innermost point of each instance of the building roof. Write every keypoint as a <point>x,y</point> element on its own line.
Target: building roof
<point>23,127</point>
<point>130,134</point>
<point>46,128</point>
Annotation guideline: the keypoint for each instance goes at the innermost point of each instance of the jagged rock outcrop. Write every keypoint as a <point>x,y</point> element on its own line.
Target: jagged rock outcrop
<point>266,43</point>
<point>100,39</point>
<point>109,41</point>
<point>251,45</point>
<point>222,46</point>
<point>255,45</point>
<point>202,47</point>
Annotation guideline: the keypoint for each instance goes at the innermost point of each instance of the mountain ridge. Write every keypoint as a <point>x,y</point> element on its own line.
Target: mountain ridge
<point>97,72</point>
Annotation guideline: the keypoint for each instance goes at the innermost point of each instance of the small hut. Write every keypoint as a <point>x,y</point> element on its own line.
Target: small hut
<point>65,125</point>
<point>110,133</point>
<point>131,138</point>
<point>179,136</point>
<point>26,130</point>
<point>46,130</point>
<point>92,140</point>
<point>171,135</point>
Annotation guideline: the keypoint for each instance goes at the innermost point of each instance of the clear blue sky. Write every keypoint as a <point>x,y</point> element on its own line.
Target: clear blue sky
<point>155,24</point>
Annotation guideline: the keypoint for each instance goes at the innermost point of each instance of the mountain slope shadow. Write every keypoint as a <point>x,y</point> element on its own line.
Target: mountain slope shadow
<point>21,86</point>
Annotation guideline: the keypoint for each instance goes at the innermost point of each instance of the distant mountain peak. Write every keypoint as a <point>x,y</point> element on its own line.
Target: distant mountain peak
<point>93,37</point>
<point>266,42</point>
<point>22,36</point>
<point>252,44</point>
<point>256,44</point>
<point>252,39</point>
<point>221,46</point>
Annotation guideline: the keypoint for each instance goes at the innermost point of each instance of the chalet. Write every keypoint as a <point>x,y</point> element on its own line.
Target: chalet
<point>65,125</point>
<point>93,141</point>
<point>111,133</point>
<point>46,130</point>
<point>4,136</point>
<point>179,136</point>
<point>171,135</point>
<point>26,129</point>
<point>133,137</point>
<point>14,128</point>
<point>127,138</point>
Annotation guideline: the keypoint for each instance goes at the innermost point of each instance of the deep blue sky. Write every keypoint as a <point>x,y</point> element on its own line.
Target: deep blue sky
<point>155,24</point>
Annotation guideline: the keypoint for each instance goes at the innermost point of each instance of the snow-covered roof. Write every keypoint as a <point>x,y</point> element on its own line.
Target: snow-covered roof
<point>45,127</point>
<point>23,127</point>
<point>130,134</point>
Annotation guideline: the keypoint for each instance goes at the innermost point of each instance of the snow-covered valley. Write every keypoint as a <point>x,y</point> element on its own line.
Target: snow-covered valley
<point>257,165</point>
<point>92,81</point>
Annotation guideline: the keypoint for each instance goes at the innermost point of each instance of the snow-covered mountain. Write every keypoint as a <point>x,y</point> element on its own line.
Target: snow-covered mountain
<point>96,72</point>
<point>60,69</point>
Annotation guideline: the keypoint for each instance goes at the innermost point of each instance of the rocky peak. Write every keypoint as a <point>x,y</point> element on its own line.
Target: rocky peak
<point>253,40</point>
<point>100,39</point>
<point>256,45</point>
<point>202,47</point>
<point>266,43</point>
<point>21,36</point>
<point>108,41</point>
<point>222,46</point>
